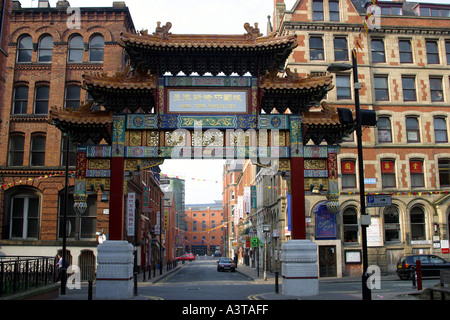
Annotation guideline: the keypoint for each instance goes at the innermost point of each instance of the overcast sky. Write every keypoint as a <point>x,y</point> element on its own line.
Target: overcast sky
<point>203,177</point>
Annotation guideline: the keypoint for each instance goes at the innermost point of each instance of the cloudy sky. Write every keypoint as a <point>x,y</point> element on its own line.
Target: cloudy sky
<point>203,177</point>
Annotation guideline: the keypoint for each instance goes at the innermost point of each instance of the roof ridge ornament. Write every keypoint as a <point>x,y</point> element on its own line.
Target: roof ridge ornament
<point>252,32</point>
<point>163,31</point>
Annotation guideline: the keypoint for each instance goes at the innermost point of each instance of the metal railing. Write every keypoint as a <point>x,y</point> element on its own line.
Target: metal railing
<point>21,273</point>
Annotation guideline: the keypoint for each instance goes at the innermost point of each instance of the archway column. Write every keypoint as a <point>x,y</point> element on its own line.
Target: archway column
<point>299,268</point>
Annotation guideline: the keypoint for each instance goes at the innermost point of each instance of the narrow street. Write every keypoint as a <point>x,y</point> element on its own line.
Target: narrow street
<point>200,280</point>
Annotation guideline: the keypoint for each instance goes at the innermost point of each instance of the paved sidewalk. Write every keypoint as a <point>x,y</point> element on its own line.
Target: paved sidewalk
<point>271,278</point>
<point>83,293</point>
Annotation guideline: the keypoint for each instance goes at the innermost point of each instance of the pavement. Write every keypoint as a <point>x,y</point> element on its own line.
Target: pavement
<point>252,273</point>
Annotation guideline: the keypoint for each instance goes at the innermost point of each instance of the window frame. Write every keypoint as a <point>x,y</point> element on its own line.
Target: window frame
<point>93,48</point>
<point>74,48</point>
<point>26,196</point>
<point>432,54</point>
<point>406,89</point>
<point>315,52</point>
<point>317,11</point>
<point>348,90</point>
<point>348,175</point>
<point>68,102</point>
<point>20,50</point>
<point>445,166</point>
<point>392,226</point>
<point>381,93</point>
<point>349,229</point>
<point>20,151</point>
<point>38,100</point>
<point>339,51</point>
<point>403,52</point>
<point>442,131</point>
<point>37,153</point>
<point>386,130</point>
<point>436,91</point>
<point>334,13</point>
<point>377,51</point>
<point>417,178</point>
<point>23,102</point>
<point>388,177</point>
<point>412,130</point>
<point>45,49</point>
<point>415,225</point>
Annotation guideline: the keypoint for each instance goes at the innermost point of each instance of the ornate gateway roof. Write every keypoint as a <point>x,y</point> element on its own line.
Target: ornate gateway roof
<point>163,52</point>
<point>83,125</point>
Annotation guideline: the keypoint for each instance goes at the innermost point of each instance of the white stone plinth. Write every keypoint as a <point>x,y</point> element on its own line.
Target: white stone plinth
<point>299,268</point>
<point>114,270</point>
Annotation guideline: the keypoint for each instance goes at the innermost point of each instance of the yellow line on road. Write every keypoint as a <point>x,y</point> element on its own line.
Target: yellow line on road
<point>253,297</point>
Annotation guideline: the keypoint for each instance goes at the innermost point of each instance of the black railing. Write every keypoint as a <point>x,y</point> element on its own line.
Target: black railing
<point>18,274</point>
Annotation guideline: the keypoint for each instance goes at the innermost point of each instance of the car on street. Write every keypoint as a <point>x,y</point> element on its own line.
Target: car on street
<point>217,253</point>
<point>226,264</point>
<point>186,257</point>
<point>431,265</point>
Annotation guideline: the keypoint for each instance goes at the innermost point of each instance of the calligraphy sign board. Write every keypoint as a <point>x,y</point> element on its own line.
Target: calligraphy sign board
<point>207,101</point>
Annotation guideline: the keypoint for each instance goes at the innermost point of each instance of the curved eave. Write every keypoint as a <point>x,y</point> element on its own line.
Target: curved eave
<point>300,84</point>
<point>125,83</point>
<point>206,41</point>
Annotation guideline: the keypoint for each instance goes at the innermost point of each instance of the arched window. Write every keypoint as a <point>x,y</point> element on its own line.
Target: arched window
<point>76,49</point>
<point>350,224</point>
<point>24,216</point>
<point>96,48</point>
<point>417,216</point>
<point>391,224</point>
<point>25,49</point>
<point>45,49</point>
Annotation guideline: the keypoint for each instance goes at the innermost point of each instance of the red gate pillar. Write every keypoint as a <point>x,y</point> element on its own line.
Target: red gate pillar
<point>298,222</point>
<point>116,200</point>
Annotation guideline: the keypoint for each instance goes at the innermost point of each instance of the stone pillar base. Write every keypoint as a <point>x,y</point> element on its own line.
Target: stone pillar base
<point>114,271</point>
<point>299,268</point>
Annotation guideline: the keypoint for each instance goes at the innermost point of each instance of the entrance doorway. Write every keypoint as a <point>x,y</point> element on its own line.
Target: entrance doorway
<point>327,261</point>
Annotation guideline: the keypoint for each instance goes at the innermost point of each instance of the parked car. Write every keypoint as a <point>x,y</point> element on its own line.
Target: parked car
<point>186,257</point>
<point>225,264</point>
<point>431,265</point>
<point>217,253</point>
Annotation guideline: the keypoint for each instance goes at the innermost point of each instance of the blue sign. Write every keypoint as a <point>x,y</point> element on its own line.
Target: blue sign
<point>325,223</point>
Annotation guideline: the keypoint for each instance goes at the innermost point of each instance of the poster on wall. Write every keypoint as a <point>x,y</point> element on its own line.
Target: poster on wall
<point>375,233</point>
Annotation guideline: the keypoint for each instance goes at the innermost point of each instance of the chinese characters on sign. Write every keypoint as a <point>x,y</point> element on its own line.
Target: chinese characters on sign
<point>208,101</point>
<point>131,206</point>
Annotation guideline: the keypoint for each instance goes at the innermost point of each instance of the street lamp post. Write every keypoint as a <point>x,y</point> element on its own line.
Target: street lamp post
<point>365,219</point>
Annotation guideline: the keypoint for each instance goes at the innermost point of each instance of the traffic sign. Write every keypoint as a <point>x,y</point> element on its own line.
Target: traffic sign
<point>379,200</point>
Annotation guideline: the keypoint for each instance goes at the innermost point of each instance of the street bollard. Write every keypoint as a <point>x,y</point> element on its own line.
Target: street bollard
<point>276,281</point>
<point>413,277</point>
<point>90,290</point>
<point>419,274</point>
<point>135,284</point>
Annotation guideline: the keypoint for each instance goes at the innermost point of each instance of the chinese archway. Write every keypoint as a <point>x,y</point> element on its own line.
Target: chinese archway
<point>240,84</point>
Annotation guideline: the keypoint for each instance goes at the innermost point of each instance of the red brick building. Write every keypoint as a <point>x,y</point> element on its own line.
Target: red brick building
<point>5,20</point>
<point>49,50</point>
<point>404,71</point>
<point>205,227</point>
